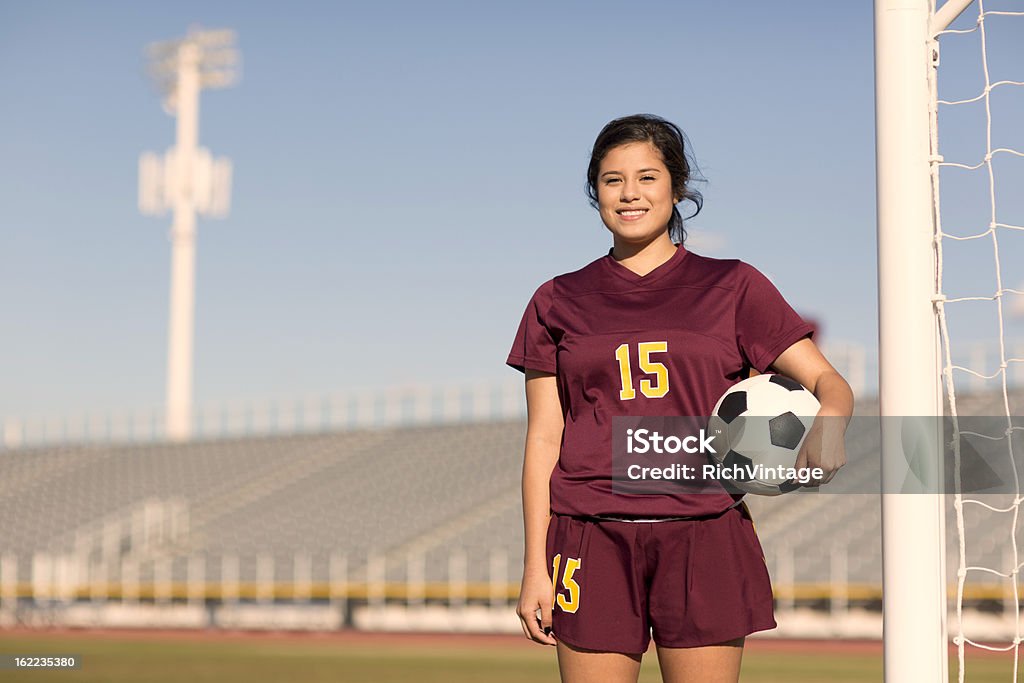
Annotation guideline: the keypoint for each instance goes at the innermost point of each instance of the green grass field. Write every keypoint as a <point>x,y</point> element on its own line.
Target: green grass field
<point>120,659</point>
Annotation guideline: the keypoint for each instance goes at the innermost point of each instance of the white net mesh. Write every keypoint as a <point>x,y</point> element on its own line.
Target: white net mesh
<point>979,243</point>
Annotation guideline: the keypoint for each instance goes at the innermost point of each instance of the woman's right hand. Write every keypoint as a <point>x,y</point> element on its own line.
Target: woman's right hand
<point>536,593</point>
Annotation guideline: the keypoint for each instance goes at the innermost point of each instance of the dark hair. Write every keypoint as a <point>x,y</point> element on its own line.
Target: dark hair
<point>670,141</point>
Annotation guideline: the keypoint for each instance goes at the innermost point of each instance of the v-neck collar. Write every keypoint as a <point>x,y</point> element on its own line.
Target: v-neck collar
<point>656,274</point>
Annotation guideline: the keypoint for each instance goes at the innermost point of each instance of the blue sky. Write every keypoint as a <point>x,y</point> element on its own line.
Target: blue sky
<point>405,175</point>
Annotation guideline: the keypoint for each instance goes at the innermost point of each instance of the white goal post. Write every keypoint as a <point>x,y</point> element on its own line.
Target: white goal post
<point>913,534</point>
<point>914,338</point>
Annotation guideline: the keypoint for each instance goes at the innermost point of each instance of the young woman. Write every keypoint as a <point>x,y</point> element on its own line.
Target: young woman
<point>649,329</point>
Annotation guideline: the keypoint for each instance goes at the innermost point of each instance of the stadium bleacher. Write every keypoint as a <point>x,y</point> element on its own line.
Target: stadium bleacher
<point>401,505</point>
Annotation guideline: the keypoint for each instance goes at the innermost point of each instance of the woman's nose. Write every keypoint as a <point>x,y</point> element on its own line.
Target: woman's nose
<point>629,191</point>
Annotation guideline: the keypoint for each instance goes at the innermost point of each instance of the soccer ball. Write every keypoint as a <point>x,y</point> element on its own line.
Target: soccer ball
<point>761,421</point>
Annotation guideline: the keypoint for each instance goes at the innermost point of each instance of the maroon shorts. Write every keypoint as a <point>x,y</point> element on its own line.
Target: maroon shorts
<point>692,582</point>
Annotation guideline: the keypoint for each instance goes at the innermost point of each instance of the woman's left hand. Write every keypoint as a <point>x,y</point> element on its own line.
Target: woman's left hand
<point>824,448</point>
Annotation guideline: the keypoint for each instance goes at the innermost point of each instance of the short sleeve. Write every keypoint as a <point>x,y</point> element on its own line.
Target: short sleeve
<point>534,346</point>
<point>765,324</point>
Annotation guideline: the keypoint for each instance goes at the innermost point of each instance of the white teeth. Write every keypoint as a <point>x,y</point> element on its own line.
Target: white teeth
<point>638,212</point>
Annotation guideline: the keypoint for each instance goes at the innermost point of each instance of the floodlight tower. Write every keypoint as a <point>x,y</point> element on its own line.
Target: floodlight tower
<point>189,181</point>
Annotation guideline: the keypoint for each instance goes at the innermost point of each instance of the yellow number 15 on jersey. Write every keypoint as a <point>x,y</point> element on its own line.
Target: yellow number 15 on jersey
<point>651,388</point>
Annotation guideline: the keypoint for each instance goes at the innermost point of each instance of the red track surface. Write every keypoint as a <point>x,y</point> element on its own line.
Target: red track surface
<point>429,640</point>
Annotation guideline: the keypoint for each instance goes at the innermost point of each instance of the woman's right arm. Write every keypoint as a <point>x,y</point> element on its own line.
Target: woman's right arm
<point>545,423</point>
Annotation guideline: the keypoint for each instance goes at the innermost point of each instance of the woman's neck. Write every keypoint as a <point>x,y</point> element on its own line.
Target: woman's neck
<point>643,258</point>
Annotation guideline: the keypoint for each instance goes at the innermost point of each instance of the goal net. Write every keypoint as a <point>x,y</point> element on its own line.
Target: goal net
<point>977,170</point>
<point>950,117</point>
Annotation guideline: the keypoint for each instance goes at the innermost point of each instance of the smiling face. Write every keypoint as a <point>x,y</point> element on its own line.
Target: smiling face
<point>634,193</point>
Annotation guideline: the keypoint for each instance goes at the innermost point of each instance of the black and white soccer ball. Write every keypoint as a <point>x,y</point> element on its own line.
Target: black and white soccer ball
<point>763,419</point>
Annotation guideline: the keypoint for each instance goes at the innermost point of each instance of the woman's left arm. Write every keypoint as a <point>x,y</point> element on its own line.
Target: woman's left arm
<point>824,446</point>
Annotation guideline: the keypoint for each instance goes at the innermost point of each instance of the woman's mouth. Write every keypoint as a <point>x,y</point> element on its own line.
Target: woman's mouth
<point>632,214</point>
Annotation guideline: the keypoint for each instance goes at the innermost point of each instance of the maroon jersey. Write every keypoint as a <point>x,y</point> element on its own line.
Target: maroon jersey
<point>666,343</point>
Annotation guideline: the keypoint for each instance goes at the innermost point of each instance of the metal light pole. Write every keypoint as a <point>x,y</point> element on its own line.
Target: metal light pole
<point>188,180</point>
